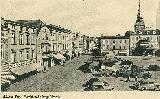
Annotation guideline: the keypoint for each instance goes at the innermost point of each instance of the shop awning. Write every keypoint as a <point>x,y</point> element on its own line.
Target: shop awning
<point>26,69</point>
<point>58,56</point>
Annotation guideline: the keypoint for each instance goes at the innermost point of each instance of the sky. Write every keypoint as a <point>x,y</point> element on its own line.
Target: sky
<point>89,17</point>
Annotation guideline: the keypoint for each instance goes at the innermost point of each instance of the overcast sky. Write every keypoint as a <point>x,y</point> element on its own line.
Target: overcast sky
<point>90,17</point>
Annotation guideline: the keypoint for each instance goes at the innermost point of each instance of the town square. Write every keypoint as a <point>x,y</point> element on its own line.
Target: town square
<point>38,55</point>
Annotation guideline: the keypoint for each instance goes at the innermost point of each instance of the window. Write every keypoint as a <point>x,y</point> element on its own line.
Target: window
<point>58,48</point>
<point>2,51</point>
<point>13,38</point>
<point>27,54</point>
<point>125,41</point>
<point>65,46</point>
<point>114,47</point>
<point>34,30</point>
<point>13,26</point>
<point>27,37</point>
<point>21,39</point>
<point>32,39</point>
<point>33,54</point>
<point>13,57</point>
<point>120,47</point>
<point>45,48</point>
<point>46,37</point>
<point>124,47</point>
<point>107,46</point>
<point>120,41</point>
<point>21,55</point>
<point>53,37</point>
<point>53,48</point>
<point>103,41</point>
<point>27,28</point>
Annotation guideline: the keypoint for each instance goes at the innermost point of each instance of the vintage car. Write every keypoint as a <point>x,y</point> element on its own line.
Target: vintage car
<point>101,86</point>
<point>157,86</point>
<point>90,82</point>
<point>154,68</point>
<point>145,85</point>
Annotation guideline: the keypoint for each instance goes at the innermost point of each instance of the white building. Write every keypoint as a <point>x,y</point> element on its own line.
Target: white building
<point>143,36</point>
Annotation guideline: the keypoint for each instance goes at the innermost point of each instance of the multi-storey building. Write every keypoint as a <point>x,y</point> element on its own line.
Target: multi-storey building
<point>55,40</point>
<point>151,40</point>
<point>20,52</point>
<point>143,38</point>
<point>117,45</point>
<point>83,44</point>
<point>28,45</point>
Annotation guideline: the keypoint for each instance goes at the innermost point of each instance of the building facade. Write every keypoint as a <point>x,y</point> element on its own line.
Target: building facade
<point>31,45</point>
<point>55,40</point>
<point>21,46</point>
<point>148,39</point>
<point>117,45</point>
<point>143,39</point>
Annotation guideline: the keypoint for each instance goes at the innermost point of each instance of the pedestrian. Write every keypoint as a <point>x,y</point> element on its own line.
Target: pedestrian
<point>44,70</point>
<point>136,78</point>
<point>128,79</point>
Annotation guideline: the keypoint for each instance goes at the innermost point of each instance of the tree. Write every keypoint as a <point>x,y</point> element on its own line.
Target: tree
<point>140,50</point>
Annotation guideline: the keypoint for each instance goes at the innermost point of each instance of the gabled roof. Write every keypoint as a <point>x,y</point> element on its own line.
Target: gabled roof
<point>27,23</point>
<point>31,23</point>
<point>58,28</point>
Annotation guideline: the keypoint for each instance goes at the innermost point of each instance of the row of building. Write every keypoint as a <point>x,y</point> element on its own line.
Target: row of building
<point>141,41</point>
<point>29,45</point>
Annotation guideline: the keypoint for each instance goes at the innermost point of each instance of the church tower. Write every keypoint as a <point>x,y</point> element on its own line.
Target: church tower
<point>139,26</point>
<point>158,17</point>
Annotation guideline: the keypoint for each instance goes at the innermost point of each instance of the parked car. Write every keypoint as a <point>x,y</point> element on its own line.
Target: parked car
<point>154,68</point>
<point>145,85</point>
<point>101,86</point>
<point>147,75</point>
<point>157,86</point>
<point>89,83</point>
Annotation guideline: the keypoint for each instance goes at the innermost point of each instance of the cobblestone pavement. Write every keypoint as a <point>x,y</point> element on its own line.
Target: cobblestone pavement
<point>68,78</point>
<point>58,78</point>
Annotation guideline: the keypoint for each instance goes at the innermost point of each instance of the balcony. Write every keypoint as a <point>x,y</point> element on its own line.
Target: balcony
<point>45,41</point>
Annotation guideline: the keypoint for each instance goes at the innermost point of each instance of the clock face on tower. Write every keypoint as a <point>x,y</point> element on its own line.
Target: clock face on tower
<point>139,28</point>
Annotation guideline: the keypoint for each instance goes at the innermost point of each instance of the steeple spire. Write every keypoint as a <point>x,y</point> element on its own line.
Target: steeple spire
<point>139,5</point>
<point>139,9</point>
<point>139,25</point>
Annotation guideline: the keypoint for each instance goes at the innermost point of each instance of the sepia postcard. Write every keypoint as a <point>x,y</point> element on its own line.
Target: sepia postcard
<point>80,49</point>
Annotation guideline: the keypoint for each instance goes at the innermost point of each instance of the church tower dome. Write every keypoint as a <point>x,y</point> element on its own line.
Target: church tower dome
<point>139,25</point>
